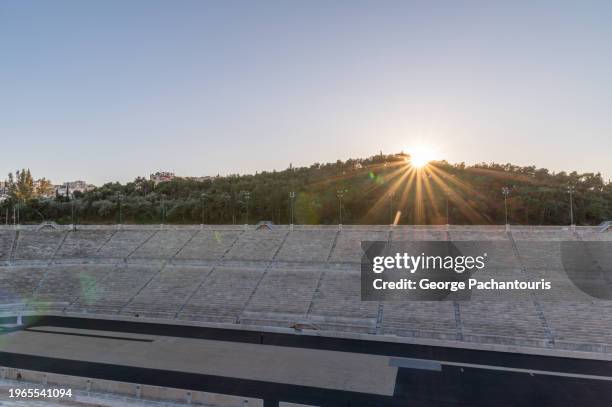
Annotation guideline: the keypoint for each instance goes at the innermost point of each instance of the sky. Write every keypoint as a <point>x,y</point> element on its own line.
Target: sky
<point>110,90</point>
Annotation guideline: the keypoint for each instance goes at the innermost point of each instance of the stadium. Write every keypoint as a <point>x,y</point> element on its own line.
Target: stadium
<point>305,204</point>
<point>271,315</point>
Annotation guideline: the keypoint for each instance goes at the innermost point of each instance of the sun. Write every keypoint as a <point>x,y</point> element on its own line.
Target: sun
<point>420,156</point>
<point>418,161</point>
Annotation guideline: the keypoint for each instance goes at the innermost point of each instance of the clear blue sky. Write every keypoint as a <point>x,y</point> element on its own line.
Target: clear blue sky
<point>109,90</point>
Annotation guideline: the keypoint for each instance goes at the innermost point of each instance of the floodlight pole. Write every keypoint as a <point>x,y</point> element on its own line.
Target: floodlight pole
<point>163,211</point>
<point>340,193</point>
<point>506,192</point>
<point>247,197</point>
<point>390,208</point>
<point>447,192</point>
<point>571,189</point>
<point>292,198</point>
<point>203,196</point>
<point>120,198</point>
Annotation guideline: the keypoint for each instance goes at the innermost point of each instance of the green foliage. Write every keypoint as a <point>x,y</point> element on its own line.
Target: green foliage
<point>375,194</point>
<point>21,187</point>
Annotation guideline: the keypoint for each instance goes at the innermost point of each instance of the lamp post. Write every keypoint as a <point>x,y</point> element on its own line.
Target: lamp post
<point>163,211</point>
<point>204,196</point>
<point>247,198</point>
<point>292,203</point>
<point>391,194</point>
<point>119,199</point>
<point>340,194</point>
<point>570,190</point>
<point>506,192</point>
<point>447,193</point>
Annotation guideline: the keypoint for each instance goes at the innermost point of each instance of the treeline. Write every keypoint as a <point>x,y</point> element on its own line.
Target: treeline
<point>378,190</point>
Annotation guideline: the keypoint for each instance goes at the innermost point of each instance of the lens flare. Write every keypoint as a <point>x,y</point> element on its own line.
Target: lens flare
<point>420,157</point>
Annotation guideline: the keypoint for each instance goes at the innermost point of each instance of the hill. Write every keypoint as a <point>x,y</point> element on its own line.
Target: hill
<point>381,189</point>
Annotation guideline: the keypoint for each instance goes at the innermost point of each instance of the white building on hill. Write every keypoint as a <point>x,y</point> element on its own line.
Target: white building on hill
<point>69,188</point>
<point>162,176</point>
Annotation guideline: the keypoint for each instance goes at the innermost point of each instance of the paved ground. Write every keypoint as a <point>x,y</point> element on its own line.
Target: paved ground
<point>344,371</point>
<point>316,370</point>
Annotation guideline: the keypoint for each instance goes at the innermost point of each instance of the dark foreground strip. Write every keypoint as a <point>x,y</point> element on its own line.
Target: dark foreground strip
<point>434,353</point>
<point>123,338</point>
<point>270,392</point>
<point>464,378</point>
<point>450,386</point>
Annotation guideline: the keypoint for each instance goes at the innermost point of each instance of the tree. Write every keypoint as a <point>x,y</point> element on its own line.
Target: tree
<point>44,188</point>
<point>21,189</point>
<point>538,196</point>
